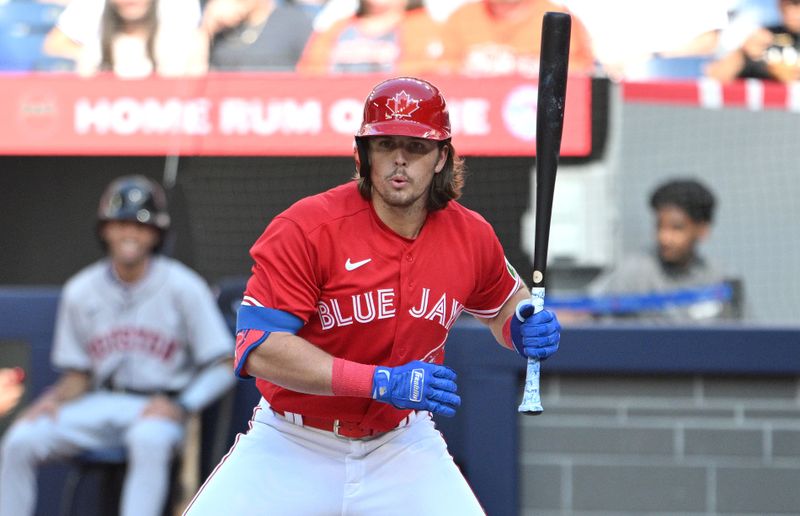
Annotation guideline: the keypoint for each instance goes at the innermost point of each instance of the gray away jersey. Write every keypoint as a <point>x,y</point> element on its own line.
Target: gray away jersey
<point>151,336</point>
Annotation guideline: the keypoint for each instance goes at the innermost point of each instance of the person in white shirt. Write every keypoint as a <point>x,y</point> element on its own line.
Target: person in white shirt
<point>131,38</point>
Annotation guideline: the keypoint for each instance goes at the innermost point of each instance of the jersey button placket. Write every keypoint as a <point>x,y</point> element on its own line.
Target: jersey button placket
<point>405,272</point>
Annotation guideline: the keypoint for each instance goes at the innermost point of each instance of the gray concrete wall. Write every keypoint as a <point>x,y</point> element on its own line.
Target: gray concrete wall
<point>628,445</point>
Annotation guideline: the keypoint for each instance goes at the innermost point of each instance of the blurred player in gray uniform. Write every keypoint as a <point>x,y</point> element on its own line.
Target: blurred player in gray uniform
<point>141,344</point>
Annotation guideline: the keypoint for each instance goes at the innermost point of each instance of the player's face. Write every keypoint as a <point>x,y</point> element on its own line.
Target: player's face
<point>129,243</point>
<point>402,168</point>
<point>677,234</point>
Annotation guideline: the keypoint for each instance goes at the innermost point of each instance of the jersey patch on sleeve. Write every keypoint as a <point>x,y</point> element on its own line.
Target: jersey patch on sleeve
<point>511,270</point>
<point>246,341</point>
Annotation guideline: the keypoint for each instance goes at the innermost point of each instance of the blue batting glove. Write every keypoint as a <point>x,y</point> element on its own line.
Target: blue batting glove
<point>535,335</point>
<point>419,386</point>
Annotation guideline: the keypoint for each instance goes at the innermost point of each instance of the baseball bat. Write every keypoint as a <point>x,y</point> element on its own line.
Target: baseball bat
<point>553,63</point>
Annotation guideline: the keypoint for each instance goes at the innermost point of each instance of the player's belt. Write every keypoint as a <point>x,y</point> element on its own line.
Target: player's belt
<point>143,392</point>
<point>338,427</point>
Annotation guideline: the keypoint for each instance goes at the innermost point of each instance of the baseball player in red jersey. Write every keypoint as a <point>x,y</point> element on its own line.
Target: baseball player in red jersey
<point>344,321</point>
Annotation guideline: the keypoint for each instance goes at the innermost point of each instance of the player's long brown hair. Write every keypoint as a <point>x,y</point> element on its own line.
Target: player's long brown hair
<point>445,187</point>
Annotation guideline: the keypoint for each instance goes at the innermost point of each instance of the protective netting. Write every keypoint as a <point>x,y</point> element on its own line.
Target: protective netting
<point>749,159</point>
<point>231,200</point>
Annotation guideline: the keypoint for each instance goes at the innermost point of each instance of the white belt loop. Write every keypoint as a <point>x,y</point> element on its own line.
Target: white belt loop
<point>297,419</point>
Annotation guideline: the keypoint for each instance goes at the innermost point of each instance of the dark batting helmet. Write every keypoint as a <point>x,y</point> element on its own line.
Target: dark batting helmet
<point>137,199</point>
<point>403,106</point>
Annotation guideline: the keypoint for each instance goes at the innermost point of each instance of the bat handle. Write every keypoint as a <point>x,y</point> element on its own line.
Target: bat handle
<point>531,398</point>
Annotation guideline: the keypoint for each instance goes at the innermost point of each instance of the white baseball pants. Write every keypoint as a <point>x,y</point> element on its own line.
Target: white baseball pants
<point>279,467</point>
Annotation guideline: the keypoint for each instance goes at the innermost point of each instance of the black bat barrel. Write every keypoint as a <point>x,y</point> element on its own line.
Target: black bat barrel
<point>554,59</point>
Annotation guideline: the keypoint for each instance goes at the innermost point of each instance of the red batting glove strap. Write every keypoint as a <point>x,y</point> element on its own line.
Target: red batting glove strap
<point>352,378</point>
<point>507,340</point>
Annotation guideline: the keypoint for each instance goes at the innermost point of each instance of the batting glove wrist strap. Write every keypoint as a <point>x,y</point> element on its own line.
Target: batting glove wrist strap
<point>534,335</point>
<point>417,386</point>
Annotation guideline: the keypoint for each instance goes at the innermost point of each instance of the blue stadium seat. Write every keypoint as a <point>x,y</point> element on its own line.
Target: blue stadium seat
<point>20,53</point>
<point>676,68</point>
<point>23,27</point>
<point>53,64</point>
<point>22,14</point>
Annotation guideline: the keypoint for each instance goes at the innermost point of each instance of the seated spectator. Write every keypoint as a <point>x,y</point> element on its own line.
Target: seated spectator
<point>500,37</point>
<point>133,38</point>
<point>683,211</point>
<point>770,53</point>
<point>635,40</point>
<point>255,34</point>
<point>397,36</point>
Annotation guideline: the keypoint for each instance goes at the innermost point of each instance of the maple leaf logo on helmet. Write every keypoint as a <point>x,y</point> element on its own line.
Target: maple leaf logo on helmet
<point>401,105</point>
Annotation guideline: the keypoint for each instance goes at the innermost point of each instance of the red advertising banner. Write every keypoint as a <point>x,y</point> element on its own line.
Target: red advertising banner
<point>751,94</point>
<point>259,115</point>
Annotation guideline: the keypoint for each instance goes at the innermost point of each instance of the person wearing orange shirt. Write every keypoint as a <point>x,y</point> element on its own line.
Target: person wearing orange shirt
<point>503,37</point>
<point>393,36</point>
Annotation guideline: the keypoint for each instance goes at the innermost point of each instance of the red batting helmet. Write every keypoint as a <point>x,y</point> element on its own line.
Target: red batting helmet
<point>403,106</point>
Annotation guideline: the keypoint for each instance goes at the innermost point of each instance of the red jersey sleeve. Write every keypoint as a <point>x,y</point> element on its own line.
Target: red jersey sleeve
<point>496,279</point>
<point>283,275</point>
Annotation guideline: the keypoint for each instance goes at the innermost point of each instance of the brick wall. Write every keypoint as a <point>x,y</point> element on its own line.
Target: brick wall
<point>680,445</point>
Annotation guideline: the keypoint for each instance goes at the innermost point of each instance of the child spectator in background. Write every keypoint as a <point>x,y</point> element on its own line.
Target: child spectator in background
<point>500,37</point>
<point>771,52</point>
<point>255,34</point>
<point>397,36</point>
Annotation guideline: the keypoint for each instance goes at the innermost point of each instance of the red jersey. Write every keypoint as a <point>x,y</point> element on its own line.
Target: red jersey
<point>368,295</point>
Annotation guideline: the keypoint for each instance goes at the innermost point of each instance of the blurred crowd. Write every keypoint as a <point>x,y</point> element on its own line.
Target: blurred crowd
<point>619,39</point>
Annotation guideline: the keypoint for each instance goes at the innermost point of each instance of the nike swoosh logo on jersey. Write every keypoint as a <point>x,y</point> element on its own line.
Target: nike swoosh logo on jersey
<point>351,266</point>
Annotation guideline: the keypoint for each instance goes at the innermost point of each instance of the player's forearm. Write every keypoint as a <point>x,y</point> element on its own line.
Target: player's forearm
<point>208,385</point>
<point>58,44</point>
<point>496,324</point>
<point>293,363</point>
<point>71,385</point>
<point>726,68</point>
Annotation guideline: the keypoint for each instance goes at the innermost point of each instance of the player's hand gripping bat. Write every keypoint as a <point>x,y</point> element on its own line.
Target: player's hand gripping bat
<point>553,62</point>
